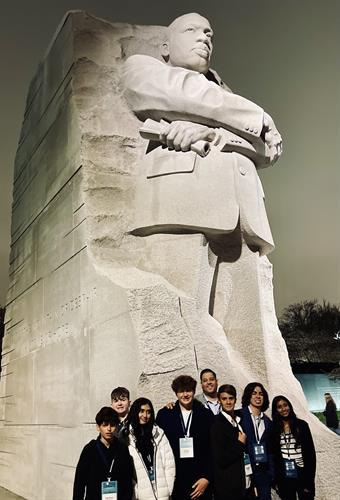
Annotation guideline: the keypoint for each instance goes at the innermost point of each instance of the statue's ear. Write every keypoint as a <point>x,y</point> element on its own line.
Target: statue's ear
<point>165,50</point>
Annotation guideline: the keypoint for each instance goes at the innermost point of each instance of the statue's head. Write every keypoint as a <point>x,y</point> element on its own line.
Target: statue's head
<point>189,43</point>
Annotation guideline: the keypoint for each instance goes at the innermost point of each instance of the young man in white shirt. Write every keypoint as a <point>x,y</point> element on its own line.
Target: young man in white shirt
<point>187,427</point>
<point>257,426</point>
<point>230,469</point>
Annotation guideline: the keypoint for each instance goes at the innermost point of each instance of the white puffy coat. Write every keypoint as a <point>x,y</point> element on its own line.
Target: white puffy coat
<point>164,468</point>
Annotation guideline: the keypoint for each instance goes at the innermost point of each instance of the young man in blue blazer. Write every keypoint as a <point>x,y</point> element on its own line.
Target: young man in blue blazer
<point>257,427</point>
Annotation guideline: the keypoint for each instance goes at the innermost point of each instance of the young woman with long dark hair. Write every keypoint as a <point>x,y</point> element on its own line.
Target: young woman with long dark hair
<point>151,452</point>
<point>294,453</point>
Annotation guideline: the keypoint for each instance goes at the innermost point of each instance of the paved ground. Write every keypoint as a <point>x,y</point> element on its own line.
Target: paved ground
<point>7,495</point>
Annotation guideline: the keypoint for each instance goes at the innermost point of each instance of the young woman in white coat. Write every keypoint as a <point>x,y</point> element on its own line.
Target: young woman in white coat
<point>151,452</point>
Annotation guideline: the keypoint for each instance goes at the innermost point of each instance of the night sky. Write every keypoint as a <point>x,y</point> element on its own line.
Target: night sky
<point>283,55</point>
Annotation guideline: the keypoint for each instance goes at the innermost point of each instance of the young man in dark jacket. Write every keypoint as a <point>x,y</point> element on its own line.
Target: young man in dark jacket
<point>187,427</point>
<point>104,464</point>
<point>257,426</point>
<point>228,449</point>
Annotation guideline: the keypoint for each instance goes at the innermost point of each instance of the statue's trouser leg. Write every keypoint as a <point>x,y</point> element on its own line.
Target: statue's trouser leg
<point>231,337</point>
<point>167,309</point>
<point>236,301</point>
<point>185,261</point>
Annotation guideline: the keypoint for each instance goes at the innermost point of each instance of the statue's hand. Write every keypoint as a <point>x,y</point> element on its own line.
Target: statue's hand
<point>180,135</point>
<point>272,138</point>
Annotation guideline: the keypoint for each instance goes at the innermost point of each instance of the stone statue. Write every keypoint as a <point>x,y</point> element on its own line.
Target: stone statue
<point>156,265</point>
<point>220,194</point>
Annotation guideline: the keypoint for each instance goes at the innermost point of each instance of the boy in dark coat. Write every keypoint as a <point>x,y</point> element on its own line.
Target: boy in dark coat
<point>228,447</point>
<point>187,427</point>
<point>104,460</point>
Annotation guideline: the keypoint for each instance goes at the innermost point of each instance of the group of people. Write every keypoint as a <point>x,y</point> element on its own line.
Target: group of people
<point>198,447</point>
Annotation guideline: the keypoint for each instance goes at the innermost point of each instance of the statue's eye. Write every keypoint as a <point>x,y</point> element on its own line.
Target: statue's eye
<point>189,29</point>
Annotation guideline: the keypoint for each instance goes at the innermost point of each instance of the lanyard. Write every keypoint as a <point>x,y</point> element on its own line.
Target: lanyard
<point>287,441</point>
<point>185,428</point>
<point>257,423</point>
<point>106,462</point>
<point>149,464</point>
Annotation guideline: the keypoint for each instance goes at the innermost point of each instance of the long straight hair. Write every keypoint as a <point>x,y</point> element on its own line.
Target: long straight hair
<point>142,433</point>
<point>278,421</point>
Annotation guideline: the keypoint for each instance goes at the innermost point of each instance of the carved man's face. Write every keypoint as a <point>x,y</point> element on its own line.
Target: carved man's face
<point>189,43</point>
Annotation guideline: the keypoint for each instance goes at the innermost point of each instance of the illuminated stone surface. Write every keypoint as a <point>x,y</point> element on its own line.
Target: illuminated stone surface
<point>91,307</point>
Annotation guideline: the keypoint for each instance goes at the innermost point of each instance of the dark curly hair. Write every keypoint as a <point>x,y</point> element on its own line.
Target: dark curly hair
<point>183,383</point>
<point>142,433</point>
<point>278,420</point>
<point>248,391</point>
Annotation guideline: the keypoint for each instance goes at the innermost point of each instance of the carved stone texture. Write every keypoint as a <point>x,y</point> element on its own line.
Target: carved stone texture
<point>90,306</point>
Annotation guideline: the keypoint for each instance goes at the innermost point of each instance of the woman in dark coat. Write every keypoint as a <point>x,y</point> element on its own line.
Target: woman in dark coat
<point>330,413</point>
<point>294,452</point>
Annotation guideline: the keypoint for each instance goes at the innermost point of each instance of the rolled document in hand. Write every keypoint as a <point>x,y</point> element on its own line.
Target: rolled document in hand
<point>151,129</point>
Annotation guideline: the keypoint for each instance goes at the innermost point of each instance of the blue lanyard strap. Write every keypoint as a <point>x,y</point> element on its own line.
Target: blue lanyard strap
<point>104,459</point>
<point>185,428</point>
<point>257,423</point>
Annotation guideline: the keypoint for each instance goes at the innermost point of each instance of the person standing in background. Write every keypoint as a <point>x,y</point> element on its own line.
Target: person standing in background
<point>331,414</point>
<point>209,397</point>
<point>120,402</point>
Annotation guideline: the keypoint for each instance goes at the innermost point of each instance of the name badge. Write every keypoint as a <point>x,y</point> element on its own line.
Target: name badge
<point>186,447</point>
<point>151,473</point>
<point>247,465</point>
<point>109,490</point>
<point>260,453</point>
<point>290,469</point>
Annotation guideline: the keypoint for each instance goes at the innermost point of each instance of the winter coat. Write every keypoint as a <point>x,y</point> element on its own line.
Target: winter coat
<point>189,470</point>
<point>93,468</point>
<point>164,468</point>
<point>228,462</point>
<point>331,415</point>
<point>308,455</point>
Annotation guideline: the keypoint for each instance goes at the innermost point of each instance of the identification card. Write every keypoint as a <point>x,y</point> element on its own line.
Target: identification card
<point>186,447</point>
<point>290,469</point>
<point>247,465</point>
<point>260,453</point>
<point>151,473</point>
<point>109,490</point>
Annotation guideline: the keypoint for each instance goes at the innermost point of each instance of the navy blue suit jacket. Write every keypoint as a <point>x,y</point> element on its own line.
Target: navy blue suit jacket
<point>248,427</point>
<point>189,470</point>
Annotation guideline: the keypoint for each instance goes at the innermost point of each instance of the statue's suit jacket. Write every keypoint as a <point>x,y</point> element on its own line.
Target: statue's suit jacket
<point>180,192</point>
